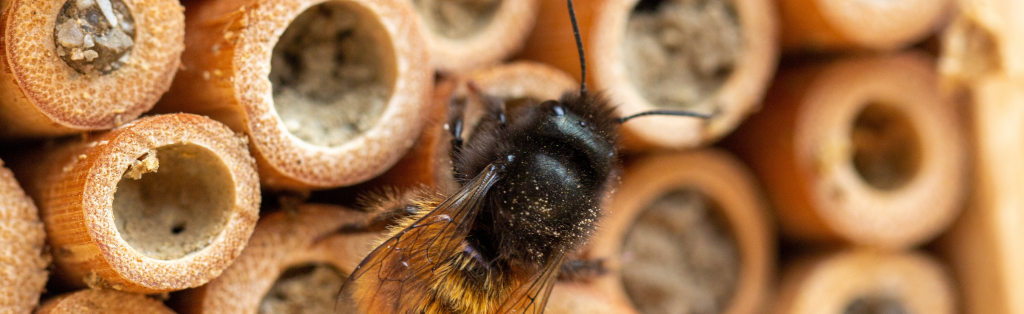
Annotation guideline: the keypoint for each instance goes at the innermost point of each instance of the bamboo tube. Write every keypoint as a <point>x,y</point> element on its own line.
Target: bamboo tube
<point>465,35</point>
<point>22,261</point>
<point>686,233</point>
<point>863,150</point>
<point>982,53</point>
<point>580,298</point>
<point>60,77</point>
<point>866,281</point>
<point>94,301</point>
<point>715,57</point>
<point>830,25</point>
<point>292,265</point>
<point>160,204</point>
<point>348,85</point>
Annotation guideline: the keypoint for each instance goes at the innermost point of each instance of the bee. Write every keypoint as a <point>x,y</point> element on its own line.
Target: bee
<point>532,183</point>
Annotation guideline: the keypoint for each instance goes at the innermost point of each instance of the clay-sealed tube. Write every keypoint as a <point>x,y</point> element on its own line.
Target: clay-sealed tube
<point>865,281</point>
<point>97,301</point>
<point>67,68</point>
<point>465,35</point>
<point>22,261</point>
<point>160,204</point>
<point>709,56</point>
<point>331,93</point>
<point>836,25</point>
<point>292,265</point>
<point>862,150</point>
<point>686,233</point>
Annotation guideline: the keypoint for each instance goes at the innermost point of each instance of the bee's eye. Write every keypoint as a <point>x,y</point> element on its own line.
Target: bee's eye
<point>559,111</point>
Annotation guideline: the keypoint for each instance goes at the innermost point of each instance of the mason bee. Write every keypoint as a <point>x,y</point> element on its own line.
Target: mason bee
<point>532,181</point>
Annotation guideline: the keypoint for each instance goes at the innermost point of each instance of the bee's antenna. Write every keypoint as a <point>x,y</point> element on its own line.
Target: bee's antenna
<point>668,113</point>
<point>579,48</point>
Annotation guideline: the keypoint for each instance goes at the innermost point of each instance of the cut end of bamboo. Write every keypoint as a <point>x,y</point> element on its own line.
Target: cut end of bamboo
<point>866,281</point>
<point>642,54</point>
<point>675,216</point>
<point>466,35</point>
<point>23,260</point>
<point>866,150</point>
<point>293,264</point>
<point>83,65</point>
<point>830,25</point>
<point>93,301</point>
<point>162,204</point>
<point>347,93</point>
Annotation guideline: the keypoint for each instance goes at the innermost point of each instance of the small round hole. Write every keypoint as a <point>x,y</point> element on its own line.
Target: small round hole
<point>458,18</point>
<point>875,305</point>
<point>190,187</point>
<point>311,288</point>
<point>887,151</point>
<point>680,257</point>
<point>679,53</point>
<point>87,39</point>
<point>332,73</point>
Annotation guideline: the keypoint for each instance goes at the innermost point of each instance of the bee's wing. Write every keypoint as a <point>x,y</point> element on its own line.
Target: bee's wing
<point>395,277</point>
<point>532,296</point>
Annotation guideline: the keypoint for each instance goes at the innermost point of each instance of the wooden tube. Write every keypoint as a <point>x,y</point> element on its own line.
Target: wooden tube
<point>865,281</point>
<point>96,301</point>
<point>465,35</point>
<point>982,52</point>
<point>703,205</point>
<point>160,204</point>
<point>320,120</point>
<point>716,57</point>
<point>292,265</point>
<point>581,298</point>
<point>863,150</point>
<point>22,261</point>
<point>111,76</point>
<point>832,25</point>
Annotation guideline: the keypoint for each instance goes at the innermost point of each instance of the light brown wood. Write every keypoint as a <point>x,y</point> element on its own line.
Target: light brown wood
<point>981,55</point>
<point>835,25</point>
<point>582,298</point>
<point>726,184</point>
<point>23,261</point>
<point>160,204</point>
<point>225,75</point>
<point>92,301</point>
<point>863,150</point>
<point>282,241</point>
<point>502,34</point>
<point>831,283</point>
<point>604,27</point>
<point>41,95</point>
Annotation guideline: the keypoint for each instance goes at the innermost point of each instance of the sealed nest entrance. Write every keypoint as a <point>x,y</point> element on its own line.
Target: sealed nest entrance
<point>173,201</point>
<point>457,18</point>
<point>309,289</point>
<point>680,257</point>
<point>332,72</point>
<point>678,53</point>
<point>887,151</point>
<point>94,36</point>
<point>875,305</point>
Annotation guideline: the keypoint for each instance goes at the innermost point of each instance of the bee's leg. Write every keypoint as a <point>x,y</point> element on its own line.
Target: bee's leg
<point>383,209</point>
<point>456,117</point>
<point>582,269</point>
